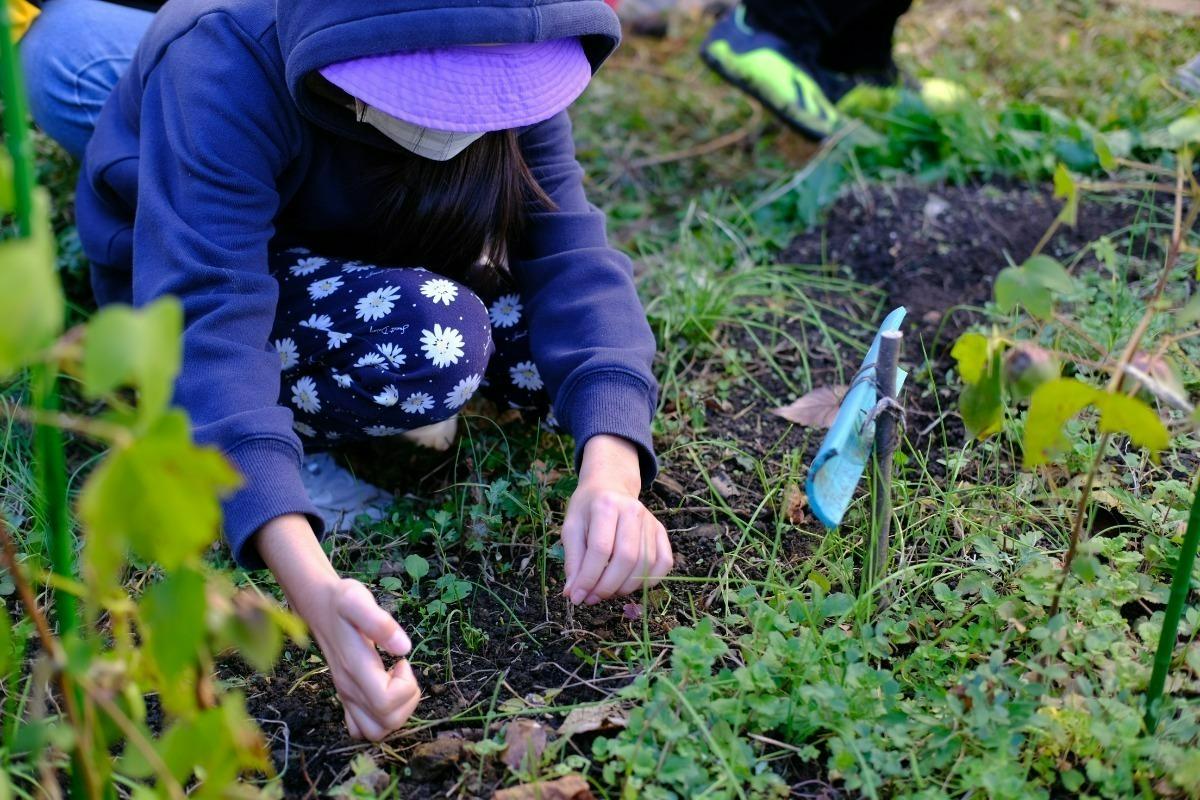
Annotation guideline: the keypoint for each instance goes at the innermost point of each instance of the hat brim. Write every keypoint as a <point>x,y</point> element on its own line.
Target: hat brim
<point>469,89</point>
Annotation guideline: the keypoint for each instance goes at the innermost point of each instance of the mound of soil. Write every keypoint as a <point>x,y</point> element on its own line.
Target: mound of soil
<point>936,250</point>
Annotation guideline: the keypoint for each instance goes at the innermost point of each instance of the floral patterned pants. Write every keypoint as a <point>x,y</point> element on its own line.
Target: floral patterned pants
<point>376,351</point>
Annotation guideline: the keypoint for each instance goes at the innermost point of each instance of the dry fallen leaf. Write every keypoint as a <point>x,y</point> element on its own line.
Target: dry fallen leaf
<point>606,716</point>
<point>568,787</point>
<point>795,501</point>
<point>817,409</point>
<point>430,760</point>
<point>724,486</point>
<point>524,741</point>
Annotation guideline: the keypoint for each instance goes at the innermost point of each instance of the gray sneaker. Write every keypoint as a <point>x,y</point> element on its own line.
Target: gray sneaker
<point>1187,77</point>
<point>340,497</point>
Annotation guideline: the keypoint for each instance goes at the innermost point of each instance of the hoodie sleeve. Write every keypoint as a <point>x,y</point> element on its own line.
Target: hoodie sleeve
<point>215,134</point>
<point>588,330</point>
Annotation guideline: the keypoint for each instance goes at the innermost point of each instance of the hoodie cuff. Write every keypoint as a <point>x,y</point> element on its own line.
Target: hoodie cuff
<point>616,404</point>
<point>272,488</point>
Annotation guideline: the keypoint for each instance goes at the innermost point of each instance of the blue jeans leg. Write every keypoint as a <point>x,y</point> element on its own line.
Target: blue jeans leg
<point>72,56</point>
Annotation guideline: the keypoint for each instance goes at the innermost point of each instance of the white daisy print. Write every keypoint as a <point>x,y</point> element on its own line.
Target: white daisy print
<point>526,376</point>
<point>506,311</point>
<point>440,290</point>
<point>417,403</point>
<point>324,287</point>
<point>463,391</point>
<point>356,266</point>
<point>551,419</point>
<point>393,353</point>
<point>288,355</point>
<point>341,380</point>
<point>318,322</point>
<point>382,430</point>
<point>389,396</point>
<point>442,346</point>
<point>300,251</point>
<point>304,395</point>
<point>304,429</point>
<point>307,266</point>
<point>377,304</point>
<point>336,339</point>
<point>370,360</point>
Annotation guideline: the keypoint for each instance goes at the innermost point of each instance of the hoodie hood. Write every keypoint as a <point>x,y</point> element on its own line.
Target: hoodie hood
<point>316,33</point>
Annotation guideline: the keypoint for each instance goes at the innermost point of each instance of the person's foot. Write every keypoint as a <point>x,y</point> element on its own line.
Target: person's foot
<point>788,82</point>
<point>341,498</point>
<point>1187,77</point>
<point>438,436</point>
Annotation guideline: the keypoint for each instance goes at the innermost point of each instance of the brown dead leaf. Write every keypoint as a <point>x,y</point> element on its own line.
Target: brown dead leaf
<point>524,741</point>
<point>817,409</point>
<point>430,760</point>
<point>794,503</point>
<point>604,717</point>
<point>670,484</point>
<point>725,486</point>
<point>568,787</point>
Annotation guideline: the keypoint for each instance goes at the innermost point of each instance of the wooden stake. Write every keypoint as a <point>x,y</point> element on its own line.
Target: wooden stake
<point>886,439</point>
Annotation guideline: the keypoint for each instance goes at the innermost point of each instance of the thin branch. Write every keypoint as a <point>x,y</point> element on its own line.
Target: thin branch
<point>8,555</point>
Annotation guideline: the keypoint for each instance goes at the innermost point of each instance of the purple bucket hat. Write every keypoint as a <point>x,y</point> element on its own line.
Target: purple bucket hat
<point>469,89</point>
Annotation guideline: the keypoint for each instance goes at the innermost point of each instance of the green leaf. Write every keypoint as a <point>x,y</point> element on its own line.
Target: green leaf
<point>1190,314</point>
<point>1066,188</point>
<point>1121,413</point>
<point>159,495</point>
<point>416,567</point>
<point>1052,404</point>
<point>135,347</point>
<point>1048,272</point>
<point>31,304</point>
<point>1104,153</point>
<point>971,353</point>
<point>1033,285</point>
<point>982,404</point>
<point>172,616</point>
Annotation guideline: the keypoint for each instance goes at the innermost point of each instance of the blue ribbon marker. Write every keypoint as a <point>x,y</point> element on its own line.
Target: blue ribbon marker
<point>842,458</point>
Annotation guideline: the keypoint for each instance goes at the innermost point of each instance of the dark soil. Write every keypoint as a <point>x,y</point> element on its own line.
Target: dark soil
<point>934,250</point>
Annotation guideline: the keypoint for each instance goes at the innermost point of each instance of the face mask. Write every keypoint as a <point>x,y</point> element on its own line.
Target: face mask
<point>425,142</point>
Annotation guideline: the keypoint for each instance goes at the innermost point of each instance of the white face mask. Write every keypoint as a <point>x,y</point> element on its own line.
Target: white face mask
<point>425,142</point>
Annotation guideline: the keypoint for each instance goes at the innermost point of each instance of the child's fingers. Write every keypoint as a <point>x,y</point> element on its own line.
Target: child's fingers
<point>368,728</point>
<point>600,536</point>
<point>357,606</point>
<point>629,555</point>
<point>351,725</point>
<point>666,556</point>
<point>573,533</point>
<point>644,571</point>
<point>403,676</point>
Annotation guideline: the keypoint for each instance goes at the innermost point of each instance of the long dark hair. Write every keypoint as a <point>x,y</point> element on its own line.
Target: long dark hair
<point>451,216</point>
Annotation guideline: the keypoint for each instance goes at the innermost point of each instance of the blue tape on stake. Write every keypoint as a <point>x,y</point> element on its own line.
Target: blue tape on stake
<point>842,459</point>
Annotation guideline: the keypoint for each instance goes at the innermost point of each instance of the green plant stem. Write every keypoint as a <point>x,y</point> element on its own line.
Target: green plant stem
<point>1115,384</point>
<point>1181,582</point>
<point>84,781</point>
<point>50,458</point>
<point>16,132</point>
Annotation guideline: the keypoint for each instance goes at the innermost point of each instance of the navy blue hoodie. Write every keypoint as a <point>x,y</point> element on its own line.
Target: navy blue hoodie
<point>211,151</point>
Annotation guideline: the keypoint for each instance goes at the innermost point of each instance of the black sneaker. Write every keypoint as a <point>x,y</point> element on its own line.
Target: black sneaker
<point>758,62</point>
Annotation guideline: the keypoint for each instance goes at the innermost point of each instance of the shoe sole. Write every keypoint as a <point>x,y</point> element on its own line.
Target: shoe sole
<point>716,66</point>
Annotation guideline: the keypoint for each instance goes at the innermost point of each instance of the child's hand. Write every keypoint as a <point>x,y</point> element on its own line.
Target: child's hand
<point>348,625</point>
<point>351,625</point>
<point>612,544</point>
